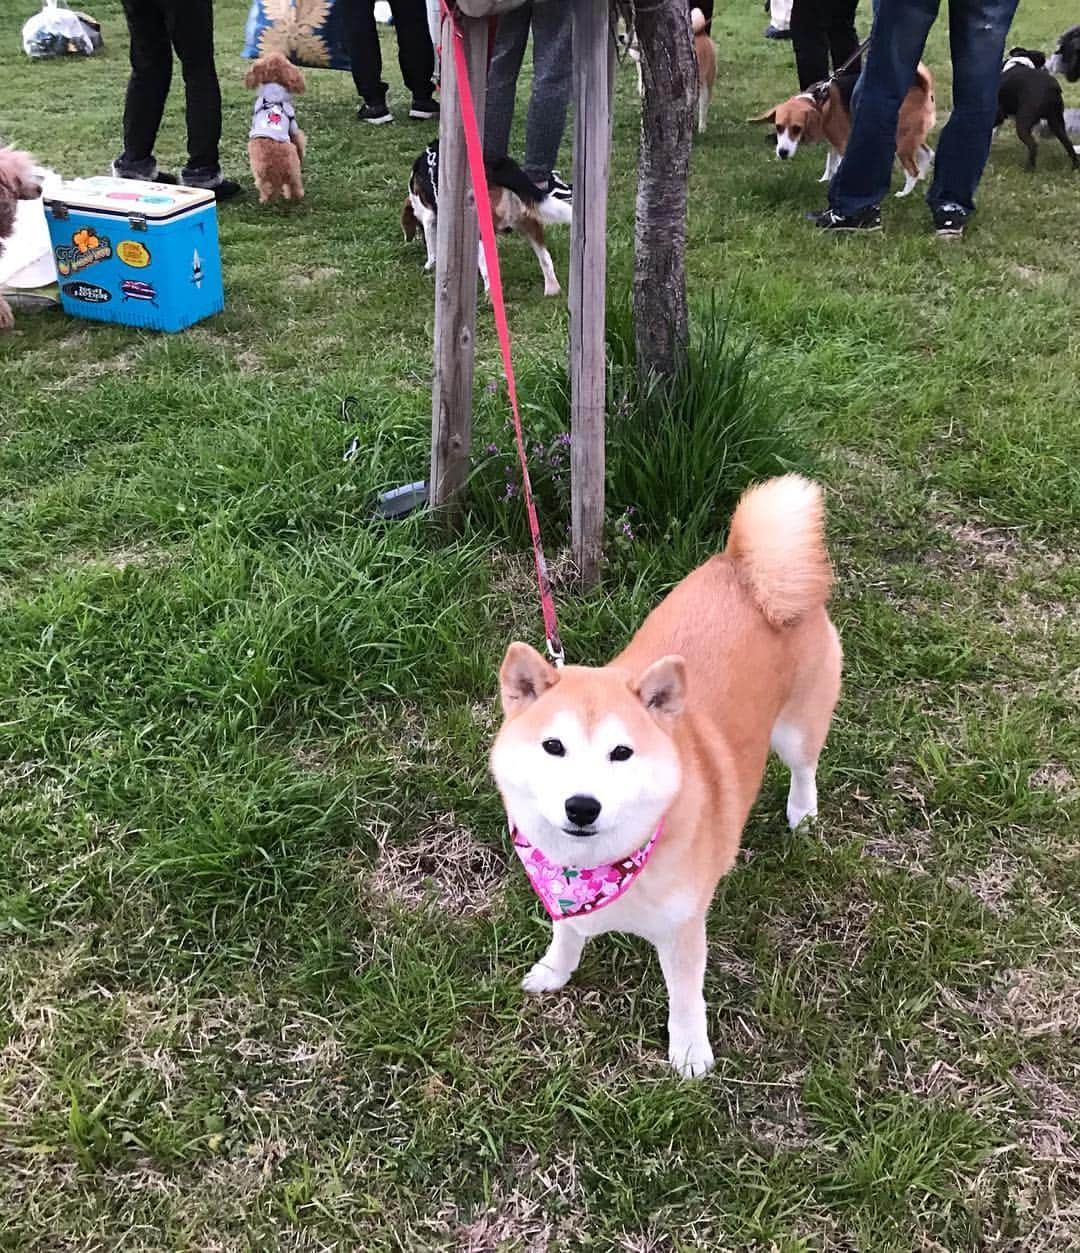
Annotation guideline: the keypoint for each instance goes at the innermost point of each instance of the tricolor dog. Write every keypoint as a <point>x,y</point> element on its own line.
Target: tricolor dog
<point>627,786</point>
<point>516,205</point>
<point>823,113</point>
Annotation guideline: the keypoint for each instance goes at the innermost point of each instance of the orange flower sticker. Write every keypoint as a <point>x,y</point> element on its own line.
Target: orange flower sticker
<point>85,239</point>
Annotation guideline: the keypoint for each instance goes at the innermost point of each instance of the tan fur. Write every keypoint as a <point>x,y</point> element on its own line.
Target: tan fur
<point>275,166</point>
<point>17,183</point>
<point>705,52</point>
<point>741,652</point>
<point>776,540</point>
<point>810,123</point>
<point>409,224</point>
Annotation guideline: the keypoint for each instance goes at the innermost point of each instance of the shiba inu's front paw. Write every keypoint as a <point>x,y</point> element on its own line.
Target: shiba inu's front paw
<point>544,979</point>
<point>691,1056</point>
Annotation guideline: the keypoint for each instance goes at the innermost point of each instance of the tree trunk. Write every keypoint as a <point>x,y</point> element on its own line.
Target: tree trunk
<point>669,78</point>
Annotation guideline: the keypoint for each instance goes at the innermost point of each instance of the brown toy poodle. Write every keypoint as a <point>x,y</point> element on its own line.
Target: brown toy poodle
<point>275,142</point>
<point>17,183</point>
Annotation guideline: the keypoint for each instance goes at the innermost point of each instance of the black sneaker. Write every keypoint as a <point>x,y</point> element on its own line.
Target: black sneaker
<point>774,32</point>
<point>559,189</point>
<point>226,189</point>
<point>949,221</point>
<point>376,114</point>
<point>223,188</point>
<point>144,171</point>
<point>868,219</point>
<point>423,108</point>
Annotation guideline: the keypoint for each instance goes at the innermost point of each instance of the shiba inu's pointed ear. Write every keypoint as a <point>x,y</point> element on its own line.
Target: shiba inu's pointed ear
<point>764,117</point>
<point>662,688</point>
<point>523,677</point>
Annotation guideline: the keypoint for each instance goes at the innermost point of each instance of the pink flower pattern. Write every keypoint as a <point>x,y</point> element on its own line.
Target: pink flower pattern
<point>566,891</point>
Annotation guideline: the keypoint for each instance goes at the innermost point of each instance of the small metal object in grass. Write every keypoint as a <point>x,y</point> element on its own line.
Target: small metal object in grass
<point>402,500</point>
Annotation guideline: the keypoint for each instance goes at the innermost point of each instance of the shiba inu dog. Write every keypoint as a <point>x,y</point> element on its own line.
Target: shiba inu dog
<point>627,786</point>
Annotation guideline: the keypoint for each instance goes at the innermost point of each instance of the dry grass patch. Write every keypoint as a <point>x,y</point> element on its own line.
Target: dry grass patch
<point>444,868</point>
<point>1057,779</point>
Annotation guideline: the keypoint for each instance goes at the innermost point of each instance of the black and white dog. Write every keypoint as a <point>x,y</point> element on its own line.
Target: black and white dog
<point>1029,93</point>
<point>517,204</point>
<point>1065,59</point>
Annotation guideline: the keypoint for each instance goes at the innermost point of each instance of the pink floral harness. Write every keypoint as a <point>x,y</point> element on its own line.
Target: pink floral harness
<point>567,891</point>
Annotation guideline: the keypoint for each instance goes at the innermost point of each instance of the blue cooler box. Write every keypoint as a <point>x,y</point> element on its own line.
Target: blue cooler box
<point>143,254</point>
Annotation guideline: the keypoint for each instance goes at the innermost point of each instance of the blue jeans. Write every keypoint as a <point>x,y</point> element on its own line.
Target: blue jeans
<point>977,33</point>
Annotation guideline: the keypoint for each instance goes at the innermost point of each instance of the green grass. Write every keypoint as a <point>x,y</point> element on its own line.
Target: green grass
<point>259,936</point>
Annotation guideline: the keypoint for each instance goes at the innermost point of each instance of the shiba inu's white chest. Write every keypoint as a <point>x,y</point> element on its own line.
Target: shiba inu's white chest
<point>640,912</point>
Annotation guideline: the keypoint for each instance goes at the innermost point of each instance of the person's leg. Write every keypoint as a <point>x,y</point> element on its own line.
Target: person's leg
<point>809,41</point>
<point>191,29</point>
<point>780,16</point>
<point>977,33</point>
<point>842,35</point>
<point>147,90</point>
<point>510,39</point>
<point>900,31</point>
<point>365,55</point>
<point>416,54</point>
<point>553,27</point>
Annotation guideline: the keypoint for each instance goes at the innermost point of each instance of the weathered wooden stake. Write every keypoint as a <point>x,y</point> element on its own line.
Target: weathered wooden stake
<point>588,278</point>
<point>455,276</point>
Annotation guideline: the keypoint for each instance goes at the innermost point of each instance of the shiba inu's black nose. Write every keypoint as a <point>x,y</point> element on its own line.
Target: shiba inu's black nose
<point>583,810</point>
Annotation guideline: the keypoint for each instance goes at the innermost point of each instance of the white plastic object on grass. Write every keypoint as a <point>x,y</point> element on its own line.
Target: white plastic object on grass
<point>56,32</point>
<point>27,259</point>
<point>382,11</point>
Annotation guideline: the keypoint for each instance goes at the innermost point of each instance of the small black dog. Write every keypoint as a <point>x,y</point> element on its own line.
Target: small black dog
<point>1029,93</point>
<point>1066,58</point>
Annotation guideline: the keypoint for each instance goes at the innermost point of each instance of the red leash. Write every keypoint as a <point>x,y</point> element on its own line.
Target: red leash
<point>474,149</point>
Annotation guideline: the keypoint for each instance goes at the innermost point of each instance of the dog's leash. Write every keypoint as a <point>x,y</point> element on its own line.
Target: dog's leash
<point>820,90</point>
<point>474,150</point>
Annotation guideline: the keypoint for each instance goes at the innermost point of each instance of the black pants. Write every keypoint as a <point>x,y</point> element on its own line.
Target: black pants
<point>416,56</point>
<point>158,28</point>
<point>820,30</point>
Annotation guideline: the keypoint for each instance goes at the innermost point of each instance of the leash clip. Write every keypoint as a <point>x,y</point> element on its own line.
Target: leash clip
<point>556,653</point>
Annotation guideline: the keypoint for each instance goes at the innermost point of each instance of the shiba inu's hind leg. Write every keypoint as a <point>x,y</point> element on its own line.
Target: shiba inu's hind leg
<point>798,735</point>
<point>560,961</point>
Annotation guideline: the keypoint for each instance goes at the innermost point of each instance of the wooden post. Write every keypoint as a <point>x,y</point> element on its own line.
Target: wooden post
<point>588,281</point>
<point>455,275</point>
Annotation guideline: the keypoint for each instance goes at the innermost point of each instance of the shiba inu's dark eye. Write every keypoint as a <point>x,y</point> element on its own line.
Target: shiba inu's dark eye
<point>554,747</point>
<point>621,753</point>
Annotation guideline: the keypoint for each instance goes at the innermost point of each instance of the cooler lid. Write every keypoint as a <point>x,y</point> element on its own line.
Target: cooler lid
<point>126,197</point>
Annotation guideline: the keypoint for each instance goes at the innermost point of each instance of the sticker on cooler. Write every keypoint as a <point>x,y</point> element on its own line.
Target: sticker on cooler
<point>132,253</point>
<point>133,289</point>
<point>88,293</point>
<point>85,249</point>
<point>138,197</point>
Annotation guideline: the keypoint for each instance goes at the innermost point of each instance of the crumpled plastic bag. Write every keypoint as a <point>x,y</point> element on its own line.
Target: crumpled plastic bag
<point>60,32</point>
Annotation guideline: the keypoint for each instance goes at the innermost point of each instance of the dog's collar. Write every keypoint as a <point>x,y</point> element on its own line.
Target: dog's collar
<point>1018,61</point>
<point>568,891</point>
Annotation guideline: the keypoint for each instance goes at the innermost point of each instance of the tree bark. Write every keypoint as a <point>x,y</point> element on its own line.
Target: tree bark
<point>669,78</point>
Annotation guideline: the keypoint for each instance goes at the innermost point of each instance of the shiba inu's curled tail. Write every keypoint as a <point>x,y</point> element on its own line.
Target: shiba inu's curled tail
<point>777,541</point>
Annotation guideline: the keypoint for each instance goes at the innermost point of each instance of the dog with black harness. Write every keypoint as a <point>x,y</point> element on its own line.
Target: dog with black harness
<point>517,204</point>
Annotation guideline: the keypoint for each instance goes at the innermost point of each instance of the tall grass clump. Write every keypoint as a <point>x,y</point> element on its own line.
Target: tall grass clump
<point>679,453</point>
